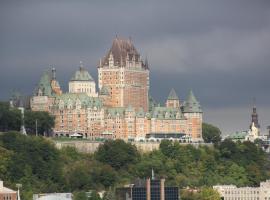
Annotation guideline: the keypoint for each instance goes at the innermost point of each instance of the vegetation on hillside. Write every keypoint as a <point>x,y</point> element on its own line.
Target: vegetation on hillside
<point>40,167</point>
<point>10,120</point>
<point>211,133</point>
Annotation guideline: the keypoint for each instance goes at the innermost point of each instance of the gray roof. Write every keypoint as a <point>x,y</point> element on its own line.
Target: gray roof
<point>44,84</point>
<point>172,95</point>
<point>81,75</point>
<point>191,105</point>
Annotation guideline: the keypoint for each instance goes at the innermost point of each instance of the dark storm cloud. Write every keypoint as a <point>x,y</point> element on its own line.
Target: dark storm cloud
<point>220,49</point>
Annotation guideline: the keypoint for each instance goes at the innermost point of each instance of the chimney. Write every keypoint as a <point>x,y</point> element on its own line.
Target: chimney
<point>148,189</point>
<point>162,189</point>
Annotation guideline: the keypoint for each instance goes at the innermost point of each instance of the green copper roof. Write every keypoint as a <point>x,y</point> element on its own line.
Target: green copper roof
<point>104,91</point>
<point>191,105</point>
<point>73,98</point>
<point>81,75</point>
<point>167,113</point>
<point>172,95</point>
<point>238,135</point>
<point>44,85</point>
<point>114,112</point>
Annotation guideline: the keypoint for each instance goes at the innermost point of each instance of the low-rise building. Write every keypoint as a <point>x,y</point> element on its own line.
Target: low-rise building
<point>6,193</point>
<point>231,192</point>
<point>53,196</point>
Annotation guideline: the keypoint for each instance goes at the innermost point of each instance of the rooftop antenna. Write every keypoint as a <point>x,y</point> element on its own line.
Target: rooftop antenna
<point>254,102</point>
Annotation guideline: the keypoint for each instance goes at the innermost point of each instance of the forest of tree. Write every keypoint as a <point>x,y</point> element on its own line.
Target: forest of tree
<point>11,120</point>
<point>40,167</point>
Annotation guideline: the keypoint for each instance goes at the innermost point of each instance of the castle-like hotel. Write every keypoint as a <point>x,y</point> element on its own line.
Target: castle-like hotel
<point>122,107</point>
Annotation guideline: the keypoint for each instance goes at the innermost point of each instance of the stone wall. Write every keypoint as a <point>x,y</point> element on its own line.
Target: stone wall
<point>92,146</point>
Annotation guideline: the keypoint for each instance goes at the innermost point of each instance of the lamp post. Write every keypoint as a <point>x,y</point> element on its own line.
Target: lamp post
<point>131,191</point>
<point>36,128</point>
<point>18,185</point>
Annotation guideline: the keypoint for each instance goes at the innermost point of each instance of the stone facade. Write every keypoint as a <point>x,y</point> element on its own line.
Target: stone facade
<point>122,108</point>
<point>231,192</point>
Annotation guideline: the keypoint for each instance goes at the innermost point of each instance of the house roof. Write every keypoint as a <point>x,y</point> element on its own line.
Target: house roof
<point>122,51</point>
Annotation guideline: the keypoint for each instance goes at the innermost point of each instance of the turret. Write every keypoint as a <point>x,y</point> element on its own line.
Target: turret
<point>173,100</point>
<point>193,112</point>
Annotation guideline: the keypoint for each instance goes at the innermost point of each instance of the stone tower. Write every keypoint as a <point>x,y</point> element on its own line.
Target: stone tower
<point>125,75</point>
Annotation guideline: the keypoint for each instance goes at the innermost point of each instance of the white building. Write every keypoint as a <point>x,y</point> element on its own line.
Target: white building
<point>82,82</point>
<point>53,196</point>
<point>231,192</point>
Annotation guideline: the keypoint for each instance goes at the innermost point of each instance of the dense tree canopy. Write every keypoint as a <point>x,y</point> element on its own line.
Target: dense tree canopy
<point>40,167</point>
<point>117,153</point>
<point>45,122</point>
<point>10,118</point>
<point>211,133</point>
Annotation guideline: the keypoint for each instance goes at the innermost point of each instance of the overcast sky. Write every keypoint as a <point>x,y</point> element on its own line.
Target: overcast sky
<point>219,49</point>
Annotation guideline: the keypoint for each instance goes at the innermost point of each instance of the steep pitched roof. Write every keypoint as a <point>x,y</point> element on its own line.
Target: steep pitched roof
<point>44,85</point>
<point>191,105</point>
<point>172,95</point>
<point>81,75</point>
<point>122,51</point>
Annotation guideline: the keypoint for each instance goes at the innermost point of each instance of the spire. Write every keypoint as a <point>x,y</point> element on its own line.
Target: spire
<point>172,95</point>
<point>53,73</point>
<point>191,98</point>
<point>146,63</point>
<point>81,66</point>
<point>254,115</point>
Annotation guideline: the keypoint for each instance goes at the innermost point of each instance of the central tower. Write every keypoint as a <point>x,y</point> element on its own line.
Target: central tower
<point>125,75</point>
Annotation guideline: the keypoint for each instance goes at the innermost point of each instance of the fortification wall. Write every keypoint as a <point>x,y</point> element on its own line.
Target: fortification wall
<point>92,146</point>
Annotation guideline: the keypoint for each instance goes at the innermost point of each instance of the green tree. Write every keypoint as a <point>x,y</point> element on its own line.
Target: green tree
<point>45,122</point>
<point>80,195</point>
<point>117,154</point>
<point>207,193</point>
<point>211,133</point>
<point>10,118</point>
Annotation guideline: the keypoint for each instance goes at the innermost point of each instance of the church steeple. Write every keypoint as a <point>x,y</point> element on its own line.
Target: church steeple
<point>254,115</point>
